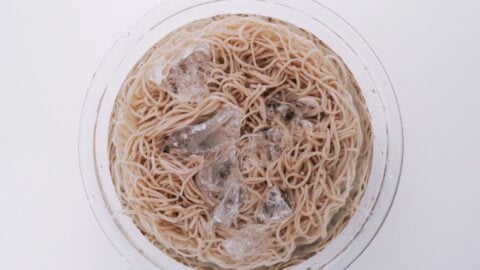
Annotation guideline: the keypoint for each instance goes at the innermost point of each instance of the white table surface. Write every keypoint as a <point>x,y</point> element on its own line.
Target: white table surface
<point>49,50</point>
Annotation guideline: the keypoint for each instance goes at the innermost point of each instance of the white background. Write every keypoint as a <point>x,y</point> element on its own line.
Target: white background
<point>50,49</point>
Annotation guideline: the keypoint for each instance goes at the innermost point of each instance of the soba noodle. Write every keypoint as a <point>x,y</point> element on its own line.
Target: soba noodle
<point>302,134</point>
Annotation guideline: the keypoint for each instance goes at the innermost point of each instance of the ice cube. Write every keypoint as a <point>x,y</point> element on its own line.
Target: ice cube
<point>285,111</point>
<point>274,208</point>
<point>226,211</point>
<point>269,144</point>
<point>221,129</point>
<point>186,77</point>
<point>275,142</point>
<point>247,241</point>
<point>159,72</point>
<point>212,178</point>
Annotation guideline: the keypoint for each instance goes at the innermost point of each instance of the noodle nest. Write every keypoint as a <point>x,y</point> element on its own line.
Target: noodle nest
<point>280,107</point>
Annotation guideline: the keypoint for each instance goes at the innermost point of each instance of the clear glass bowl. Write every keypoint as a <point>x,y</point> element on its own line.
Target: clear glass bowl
<point>339,253</point>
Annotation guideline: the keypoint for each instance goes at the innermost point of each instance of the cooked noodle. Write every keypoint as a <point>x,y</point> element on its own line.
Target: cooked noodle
<point>320,160</point>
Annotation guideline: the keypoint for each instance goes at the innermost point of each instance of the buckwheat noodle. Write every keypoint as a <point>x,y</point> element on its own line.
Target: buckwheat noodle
<point>322,160</point>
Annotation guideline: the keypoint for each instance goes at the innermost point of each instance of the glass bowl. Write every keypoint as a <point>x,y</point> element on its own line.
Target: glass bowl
<point>312,16</point>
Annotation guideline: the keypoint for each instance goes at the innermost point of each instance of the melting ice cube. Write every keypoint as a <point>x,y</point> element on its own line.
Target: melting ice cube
<point>275,142</point>
<point>222,129</point>
<point>226,211</point>
<point>213,177</point>
<point>269,144</point>
<point>285,111</point>
<point>186,77</point>
<point>247,241</point>
<point>275,207</point>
